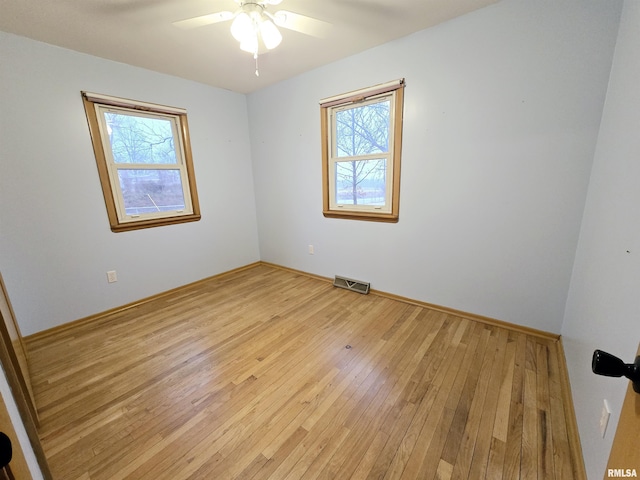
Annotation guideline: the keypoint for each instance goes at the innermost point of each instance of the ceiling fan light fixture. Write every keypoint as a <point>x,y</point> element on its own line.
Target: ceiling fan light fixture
<point>250,44</point>
<point>242,27</point>
<point>270,34</point>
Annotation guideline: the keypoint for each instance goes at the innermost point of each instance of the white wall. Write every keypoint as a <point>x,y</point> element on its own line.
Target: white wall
<point>603,307</point>
<point>502,109</point>
<point>55,241</point>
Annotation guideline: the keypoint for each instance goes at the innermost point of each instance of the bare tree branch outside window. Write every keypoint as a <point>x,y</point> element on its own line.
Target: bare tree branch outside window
<point>362,131</point>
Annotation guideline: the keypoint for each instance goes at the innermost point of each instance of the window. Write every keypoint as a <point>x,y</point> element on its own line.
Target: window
<point>144,162</point>
<point>361,145</point>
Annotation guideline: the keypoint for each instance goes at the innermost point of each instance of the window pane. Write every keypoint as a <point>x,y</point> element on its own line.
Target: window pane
<point>140,139</point>
<point>149,191</point>
<point>363,130</point>
<point>361,182</point>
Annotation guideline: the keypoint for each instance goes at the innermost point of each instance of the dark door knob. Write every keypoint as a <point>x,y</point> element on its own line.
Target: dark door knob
<point>604,363</point>
<point>6,453</point>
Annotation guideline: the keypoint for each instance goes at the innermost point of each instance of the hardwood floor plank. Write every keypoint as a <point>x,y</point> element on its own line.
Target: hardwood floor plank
<point>270,374</point>
<point>281,455</point>
<point>529,462</point>
<point>367,462</point>
<point>502,414</point>
<point>445,471</point>
<point>563,464</point>
<point>469,441</point>
<point>409,456</point>
<point>513,452</point>
<point>464,401</point>
<point>489,412</point>
<point>545,440</point>
<point>435,430</point>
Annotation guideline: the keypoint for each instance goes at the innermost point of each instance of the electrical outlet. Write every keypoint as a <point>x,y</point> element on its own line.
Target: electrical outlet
<point>604,418</point>
<point>112,276</point>
<point>310,249</point>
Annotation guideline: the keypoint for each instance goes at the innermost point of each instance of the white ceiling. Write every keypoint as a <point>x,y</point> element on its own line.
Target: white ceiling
<point>141,33</point>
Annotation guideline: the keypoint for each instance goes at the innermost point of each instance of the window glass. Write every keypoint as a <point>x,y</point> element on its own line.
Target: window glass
<point>140,139</point>
<point>361,182</point>
<point>150,191</point>
<point>363,130</point>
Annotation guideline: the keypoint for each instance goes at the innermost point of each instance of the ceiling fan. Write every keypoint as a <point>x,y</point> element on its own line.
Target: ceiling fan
<point>252,23</point>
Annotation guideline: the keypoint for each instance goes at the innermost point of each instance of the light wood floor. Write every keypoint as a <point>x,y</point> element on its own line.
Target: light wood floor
<point>269,374</point>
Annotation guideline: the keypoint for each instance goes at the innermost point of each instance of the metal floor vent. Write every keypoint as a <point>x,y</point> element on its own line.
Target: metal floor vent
<point>350,284</point>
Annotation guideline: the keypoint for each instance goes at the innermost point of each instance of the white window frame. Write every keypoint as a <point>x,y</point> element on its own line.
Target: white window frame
<point>96,106</point>
<point>389,212</point>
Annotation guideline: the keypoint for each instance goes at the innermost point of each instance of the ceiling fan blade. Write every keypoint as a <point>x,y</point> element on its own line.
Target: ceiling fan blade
<point>301,23</point>
<point>203,20</point>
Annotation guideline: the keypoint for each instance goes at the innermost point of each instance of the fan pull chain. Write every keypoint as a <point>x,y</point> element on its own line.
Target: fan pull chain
<point>255,56</point>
